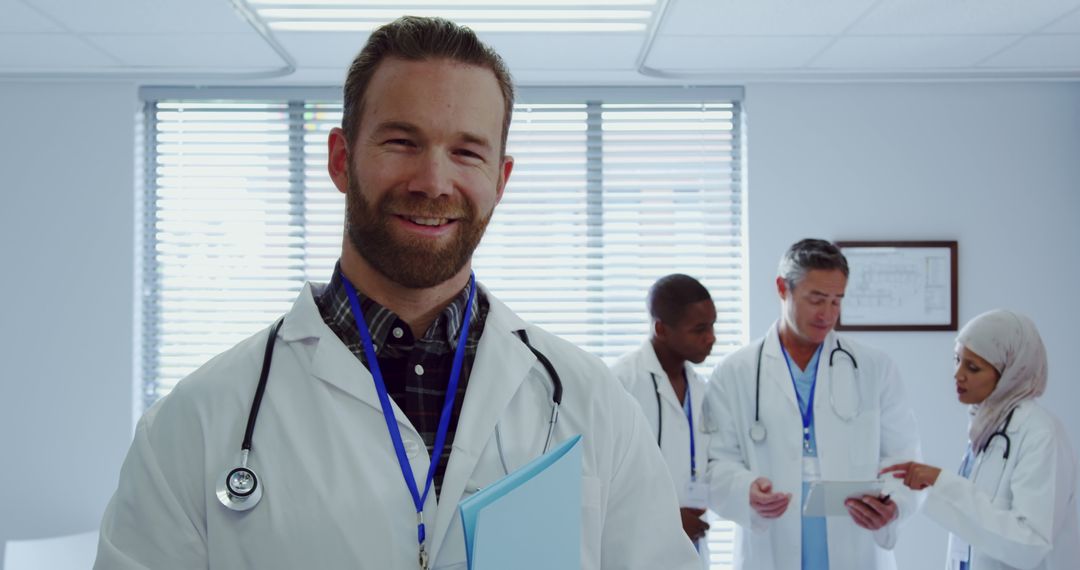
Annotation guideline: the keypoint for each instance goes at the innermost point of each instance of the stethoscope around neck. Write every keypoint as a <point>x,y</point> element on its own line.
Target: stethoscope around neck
<point>239,488</point>
<point>758,433</point>
<point>999,433</point>
<point>688,404</point>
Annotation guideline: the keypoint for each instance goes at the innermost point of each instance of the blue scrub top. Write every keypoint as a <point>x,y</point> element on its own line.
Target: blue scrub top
<point>815,550</point>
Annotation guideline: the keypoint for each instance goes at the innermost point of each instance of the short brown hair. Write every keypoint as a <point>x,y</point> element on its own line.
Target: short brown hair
<point>414,38</point>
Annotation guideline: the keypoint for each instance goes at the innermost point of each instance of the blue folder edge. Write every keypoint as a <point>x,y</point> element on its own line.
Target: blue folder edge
<point>471,506</point>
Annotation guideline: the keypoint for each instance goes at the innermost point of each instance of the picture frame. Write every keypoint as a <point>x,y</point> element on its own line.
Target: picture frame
<point>900,286</point>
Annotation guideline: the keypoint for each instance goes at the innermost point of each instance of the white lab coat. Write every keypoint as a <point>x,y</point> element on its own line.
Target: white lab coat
<point>334,495</point>
<point>884,432</point>
<point>1015,513</point>
<point>635,369</point>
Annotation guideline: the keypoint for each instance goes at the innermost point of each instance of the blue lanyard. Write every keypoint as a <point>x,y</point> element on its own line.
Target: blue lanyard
<point>388,411</point>
<point>689,407</point>
<point>805,410</point>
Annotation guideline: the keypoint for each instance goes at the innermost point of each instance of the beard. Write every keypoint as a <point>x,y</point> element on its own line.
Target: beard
<point>412,262</point>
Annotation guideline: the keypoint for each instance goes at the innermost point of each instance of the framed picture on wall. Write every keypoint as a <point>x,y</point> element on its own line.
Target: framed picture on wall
<point>899,286</point>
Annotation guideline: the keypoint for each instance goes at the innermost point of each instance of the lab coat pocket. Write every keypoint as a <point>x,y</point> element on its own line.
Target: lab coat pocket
<point>591,521</point>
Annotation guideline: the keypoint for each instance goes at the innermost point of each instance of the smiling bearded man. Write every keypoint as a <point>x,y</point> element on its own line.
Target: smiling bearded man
<point>410,262</point>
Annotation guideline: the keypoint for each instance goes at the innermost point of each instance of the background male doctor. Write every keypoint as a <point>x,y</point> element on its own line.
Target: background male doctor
<point>421,160</point>
<point>828,408</point>
<point>661,377</point>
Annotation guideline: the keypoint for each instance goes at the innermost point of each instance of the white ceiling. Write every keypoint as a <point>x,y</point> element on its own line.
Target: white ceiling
<point>688,41</point>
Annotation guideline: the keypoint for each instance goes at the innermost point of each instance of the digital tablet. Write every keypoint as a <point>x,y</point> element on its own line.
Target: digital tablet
<point>826,498</point>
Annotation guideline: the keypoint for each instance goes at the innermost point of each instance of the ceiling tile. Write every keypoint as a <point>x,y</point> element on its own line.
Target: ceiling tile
<point>203,51</point>
<point>761,17</point>
<point>567,51</point>
<point>961,16</point>
<point>323,50</point>
<point>520,50</point>
<point>144,16</point>
<point>1069,24</point>
<point>18,17</point>
<point>33,53</point>
<point>1040,52</point>
<point>909,53</point>
<point>692,53</point>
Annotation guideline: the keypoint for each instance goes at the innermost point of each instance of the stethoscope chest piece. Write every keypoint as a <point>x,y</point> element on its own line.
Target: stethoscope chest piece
<point>239,489</point>
<point>757,432</point>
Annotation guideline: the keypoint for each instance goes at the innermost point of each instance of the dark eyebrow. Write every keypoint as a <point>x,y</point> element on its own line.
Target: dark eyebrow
<point>408,128</point>
<point>824,294</point>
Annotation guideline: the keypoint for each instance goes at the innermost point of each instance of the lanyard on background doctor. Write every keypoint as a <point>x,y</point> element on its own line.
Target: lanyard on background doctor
<point>807,411</point>
<point>688,409</point>
<point>690,421</point>
<point>388,411</point>
<point>697,494</point>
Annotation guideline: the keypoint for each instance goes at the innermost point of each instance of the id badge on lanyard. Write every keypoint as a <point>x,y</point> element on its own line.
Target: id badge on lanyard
<point>696,493</point>
<point>959,550</point>
<point>811,469</point>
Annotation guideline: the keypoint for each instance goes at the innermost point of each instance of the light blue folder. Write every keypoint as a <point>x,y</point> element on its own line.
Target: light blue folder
<point>529,519</point>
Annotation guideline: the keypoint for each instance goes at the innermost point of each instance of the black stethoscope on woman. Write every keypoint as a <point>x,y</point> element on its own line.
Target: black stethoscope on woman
<point>976,469</point>
<point>999,433</point>
<point>239,489</point>
<point>758,433</point>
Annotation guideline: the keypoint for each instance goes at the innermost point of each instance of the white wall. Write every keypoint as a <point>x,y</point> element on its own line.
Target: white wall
<point>66,227</point>
<point>994,166</point>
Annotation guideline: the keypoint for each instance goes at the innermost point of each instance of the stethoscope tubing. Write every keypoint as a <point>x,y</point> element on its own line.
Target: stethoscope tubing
<point>757,429</point>
<point>256,403</point>
<point>1001,433</point>
<point>977,469</point>
<point>689,419</point>
<point>556,387</point>
<point>659,411</point>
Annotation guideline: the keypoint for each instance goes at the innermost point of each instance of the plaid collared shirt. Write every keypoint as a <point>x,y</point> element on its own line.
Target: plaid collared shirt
<point>416,371</point>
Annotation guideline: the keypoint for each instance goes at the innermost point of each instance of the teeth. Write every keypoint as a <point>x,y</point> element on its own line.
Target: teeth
<point>428,221</point>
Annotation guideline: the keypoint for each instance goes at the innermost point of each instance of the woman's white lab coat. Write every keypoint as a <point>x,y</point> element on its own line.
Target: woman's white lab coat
<point>636,370</point>
<point>882,433</point>
<point>334,494</point>
<point>1019,512</point>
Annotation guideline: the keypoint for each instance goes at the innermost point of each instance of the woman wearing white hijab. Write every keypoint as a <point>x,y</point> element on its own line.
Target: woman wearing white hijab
<point>1013,504</point>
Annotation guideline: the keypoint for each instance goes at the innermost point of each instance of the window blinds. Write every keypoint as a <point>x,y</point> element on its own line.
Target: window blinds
<point>606,196</point>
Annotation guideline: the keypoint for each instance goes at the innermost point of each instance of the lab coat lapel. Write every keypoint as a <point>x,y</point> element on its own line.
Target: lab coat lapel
<point>827,426</point>
<point>332,362</point>
<point>651,365</point>
<point>774,370</point>
<point>501,365</point>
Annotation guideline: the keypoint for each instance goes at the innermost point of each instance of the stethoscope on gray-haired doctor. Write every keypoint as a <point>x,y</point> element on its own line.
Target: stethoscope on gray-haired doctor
<point>804,404</point>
